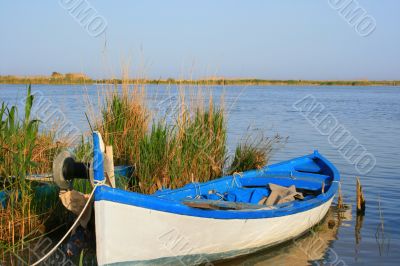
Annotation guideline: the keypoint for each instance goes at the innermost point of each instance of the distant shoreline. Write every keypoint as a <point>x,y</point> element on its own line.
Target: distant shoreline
<point>75,79</point>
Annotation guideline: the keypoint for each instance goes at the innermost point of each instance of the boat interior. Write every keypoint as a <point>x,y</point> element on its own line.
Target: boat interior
<point>309,176</point>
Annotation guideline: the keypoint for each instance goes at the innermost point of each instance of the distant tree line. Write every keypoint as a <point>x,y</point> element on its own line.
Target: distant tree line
<point>80,78</point>
<point>54,78</point>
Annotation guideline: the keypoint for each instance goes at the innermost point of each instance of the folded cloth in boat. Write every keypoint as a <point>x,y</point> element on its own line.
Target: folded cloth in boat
<point>258,194</point>
<point>280,195</point>
<point>75,201</point>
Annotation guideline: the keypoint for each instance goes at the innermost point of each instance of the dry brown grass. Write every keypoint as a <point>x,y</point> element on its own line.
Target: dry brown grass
<point>23,150</point>
<point>190,148</point>
<point>124,121</point>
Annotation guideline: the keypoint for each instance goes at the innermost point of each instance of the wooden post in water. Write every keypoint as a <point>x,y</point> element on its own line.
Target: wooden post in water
<point>360,198</point>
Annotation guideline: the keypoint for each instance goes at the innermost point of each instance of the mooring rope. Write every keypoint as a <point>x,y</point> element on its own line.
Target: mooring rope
<point>197,186</point>
<point>97,183</point>
<point>234,181</point>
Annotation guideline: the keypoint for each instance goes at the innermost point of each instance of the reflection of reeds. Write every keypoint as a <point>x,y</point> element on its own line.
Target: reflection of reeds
<point>358,227</point>
<point>382,239</point>
<point>340,204</point>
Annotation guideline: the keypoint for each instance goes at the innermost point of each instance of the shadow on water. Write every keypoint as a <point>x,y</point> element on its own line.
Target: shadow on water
<point>357,230</point>
<point>382,240</point>
<point>312,248</point>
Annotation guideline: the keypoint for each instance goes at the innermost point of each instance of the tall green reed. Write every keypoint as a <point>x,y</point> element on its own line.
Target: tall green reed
<point>17,142</point>
<point>124,122</point>
<point>254,152</point>
<point>190,147</point>
<point>192,150</point>
<point>23,150</point>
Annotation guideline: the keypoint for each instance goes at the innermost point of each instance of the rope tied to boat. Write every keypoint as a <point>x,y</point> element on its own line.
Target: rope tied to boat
<point>198,190</point>
<point>96,184</point>
<point>234,181</point>
<point>292,176</point>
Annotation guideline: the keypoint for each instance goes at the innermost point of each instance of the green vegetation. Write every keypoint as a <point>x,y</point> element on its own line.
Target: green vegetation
<point>166,155</point>
<point>23,150</point>
<point>254,153</point>
<point>77,78</point>
<point>259,82</point>
<point>191,148</point>
<point>124,122</point>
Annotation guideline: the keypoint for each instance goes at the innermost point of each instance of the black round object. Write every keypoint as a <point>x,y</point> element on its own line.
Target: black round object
<point>65,169</point>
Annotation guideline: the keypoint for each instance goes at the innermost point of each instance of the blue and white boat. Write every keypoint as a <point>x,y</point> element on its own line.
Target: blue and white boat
<point>216,220</point>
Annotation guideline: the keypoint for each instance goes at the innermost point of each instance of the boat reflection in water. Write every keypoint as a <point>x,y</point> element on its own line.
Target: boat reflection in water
<point>311,247</point>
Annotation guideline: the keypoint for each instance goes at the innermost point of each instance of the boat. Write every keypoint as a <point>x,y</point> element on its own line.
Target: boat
<point>204,222</point>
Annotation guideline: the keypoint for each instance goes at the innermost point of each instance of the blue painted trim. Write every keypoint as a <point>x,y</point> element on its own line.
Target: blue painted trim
<point>98,160</point>
<point>155,202</point>
<point>170,206</point>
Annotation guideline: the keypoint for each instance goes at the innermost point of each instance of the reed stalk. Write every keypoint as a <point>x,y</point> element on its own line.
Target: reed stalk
<point>254,152</point>
<point>191,147</point>
<point>23,150</point>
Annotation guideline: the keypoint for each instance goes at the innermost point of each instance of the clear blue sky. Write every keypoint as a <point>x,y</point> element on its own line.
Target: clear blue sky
<point>282,39</point>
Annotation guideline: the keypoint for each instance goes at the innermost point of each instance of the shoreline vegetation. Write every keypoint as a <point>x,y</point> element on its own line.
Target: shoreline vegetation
<point>80,78</point>
<point>189,147</point>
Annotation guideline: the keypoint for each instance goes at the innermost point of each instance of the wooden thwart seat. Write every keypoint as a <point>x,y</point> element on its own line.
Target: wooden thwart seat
<point>297,175</point>
<point>220,205</point>
<point>315,186</point>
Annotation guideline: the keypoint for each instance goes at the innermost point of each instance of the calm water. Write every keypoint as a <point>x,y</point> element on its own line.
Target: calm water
<point>370,114</point>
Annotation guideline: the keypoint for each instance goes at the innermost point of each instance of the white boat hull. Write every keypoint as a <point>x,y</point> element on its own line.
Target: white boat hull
<point>128,234</point>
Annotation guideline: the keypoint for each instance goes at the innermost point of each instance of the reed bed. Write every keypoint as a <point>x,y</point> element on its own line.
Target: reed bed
<point>23,150</point>
<point>169,153</point>
<point>124,122</point>
<point>190,146</point>
<point>192,150</point>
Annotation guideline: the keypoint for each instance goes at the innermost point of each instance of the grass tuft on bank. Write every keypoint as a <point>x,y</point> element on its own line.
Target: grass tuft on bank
<point>24,150</point>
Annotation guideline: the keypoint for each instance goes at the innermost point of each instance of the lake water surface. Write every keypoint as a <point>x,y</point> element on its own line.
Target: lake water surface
<point>370,114</point>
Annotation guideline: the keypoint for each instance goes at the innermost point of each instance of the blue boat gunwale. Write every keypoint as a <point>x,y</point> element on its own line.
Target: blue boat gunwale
<point>105,193</point>
<point>164,205</point>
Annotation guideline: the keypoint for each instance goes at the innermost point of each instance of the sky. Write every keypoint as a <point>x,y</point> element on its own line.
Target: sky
<point>278,39</point>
